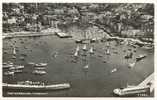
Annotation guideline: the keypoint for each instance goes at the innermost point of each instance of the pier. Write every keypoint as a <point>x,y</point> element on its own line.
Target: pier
<point>149,80</point>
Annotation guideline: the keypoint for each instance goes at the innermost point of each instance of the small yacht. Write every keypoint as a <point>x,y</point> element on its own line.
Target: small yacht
<point>86,67</point>
<point>84,47</point>
<point>76,54</point>
<point>14,51</point>
<point>91,50</point>
<point>108,52</point>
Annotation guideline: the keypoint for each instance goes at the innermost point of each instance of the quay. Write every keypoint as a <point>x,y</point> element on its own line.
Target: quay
<point>148,81</point>
<point>145,88</point>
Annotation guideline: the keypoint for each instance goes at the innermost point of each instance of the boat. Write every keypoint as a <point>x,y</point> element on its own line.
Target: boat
<point>10,63</point>
<point>17,71</point>
<point>41,65</point>
<point>131,65</point>
<point>16,67</point>
<point>31,63</point>
<point>40,68</point>
<point>140,57</point>
<point>76,54</point>
<point>14,51</point>
<point>7,66</point>
<point>84,47</point>
<point>39,72</point>
<point>78,48</point>
<point>108,52</point>
<point>22,58</point>
<point>91,50</point>
<point>86,67</point>
<point>113,70</point>
<point>13,57</point>
<point>36,87</point>
<point>9,73</point>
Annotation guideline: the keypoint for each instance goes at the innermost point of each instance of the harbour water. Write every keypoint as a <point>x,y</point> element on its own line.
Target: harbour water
<point>96,81</point>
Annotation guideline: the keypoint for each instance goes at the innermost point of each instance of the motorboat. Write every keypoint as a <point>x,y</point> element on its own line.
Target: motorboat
<point>39,72</point>
<point>140,57</point>
<point>9,73</point>
<point>31,63</point>
<point>16,67</point>
<point>40,68</point>
<point>41,65</point>
<point>17,71</point>
<point>7,66</point>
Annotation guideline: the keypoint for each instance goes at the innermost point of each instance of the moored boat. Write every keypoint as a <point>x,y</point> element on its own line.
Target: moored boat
<point>76,54</point>
<point>91,50</point>
<point>40,68</point>
<point>7,66</point>
<point>41,65</point>
<point>84,47</point>
<point>108,52</point>
<point>78,48</point>
<point>39,72</point>
<point>17,71</point>
<point>140,57</point>
<point>16,67</point>
<point>9,73</point>
<point>86,67</point>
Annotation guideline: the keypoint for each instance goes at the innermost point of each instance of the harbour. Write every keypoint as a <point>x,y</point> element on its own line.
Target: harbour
<point>60,69</point>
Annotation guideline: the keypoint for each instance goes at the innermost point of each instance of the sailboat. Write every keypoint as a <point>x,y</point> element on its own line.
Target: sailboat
<point>84,47</point>
<point>14,51</point>
<point>78,48</point>
<point>108,52</point>
<point>91,50</point>
<point>76,54</point>
<point>86,66</point>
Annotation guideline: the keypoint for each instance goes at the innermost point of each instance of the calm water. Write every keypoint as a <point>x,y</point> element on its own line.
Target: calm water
<point>97,81</point>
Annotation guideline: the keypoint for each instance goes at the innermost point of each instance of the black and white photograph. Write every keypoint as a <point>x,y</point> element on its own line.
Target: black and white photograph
<point>78,49</point>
